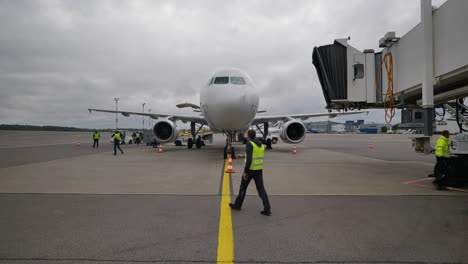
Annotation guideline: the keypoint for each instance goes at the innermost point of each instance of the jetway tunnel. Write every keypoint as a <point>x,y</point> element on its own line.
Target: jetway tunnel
<point>393,77</point>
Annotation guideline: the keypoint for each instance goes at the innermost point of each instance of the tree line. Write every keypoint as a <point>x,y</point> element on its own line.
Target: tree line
<point>57,128</point>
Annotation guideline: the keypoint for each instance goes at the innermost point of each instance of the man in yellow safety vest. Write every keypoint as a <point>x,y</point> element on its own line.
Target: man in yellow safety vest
<point>96,137</point>
<point>442,166</point>
<point>137,138</point>
<point>254,151</point>
<point>117,138</point>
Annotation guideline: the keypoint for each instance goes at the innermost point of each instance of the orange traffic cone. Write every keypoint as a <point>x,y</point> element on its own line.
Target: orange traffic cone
<point>229,168</point>
<point>77,141</point>
<point>160,148</point>
<point>294,149</point>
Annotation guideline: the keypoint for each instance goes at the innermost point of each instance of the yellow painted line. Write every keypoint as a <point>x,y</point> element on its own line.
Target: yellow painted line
<point>225,234</point>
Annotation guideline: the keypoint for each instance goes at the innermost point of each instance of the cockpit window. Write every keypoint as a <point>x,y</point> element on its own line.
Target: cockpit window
<point>211,81</point>
<point>237,80</point>
<point>221,80</point>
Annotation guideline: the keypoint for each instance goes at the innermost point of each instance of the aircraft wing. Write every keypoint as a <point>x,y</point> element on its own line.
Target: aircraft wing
<point>184,118</point>
<point>275,118</point>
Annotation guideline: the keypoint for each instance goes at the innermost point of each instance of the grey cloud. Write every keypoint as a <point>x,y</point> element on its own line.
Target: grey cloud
<point>57,58</point>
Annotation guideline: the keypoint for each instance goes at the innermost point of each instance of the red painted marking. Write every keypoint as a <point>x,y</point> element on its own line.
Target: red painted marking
<point>421,185</point>
<point>410,182</point>
<point>414,183</point>
<point>457,190</point>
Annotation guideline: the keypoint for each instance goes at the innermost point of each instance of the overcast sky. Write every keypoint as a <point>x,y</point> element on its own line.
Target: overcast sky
<point>58,58</point>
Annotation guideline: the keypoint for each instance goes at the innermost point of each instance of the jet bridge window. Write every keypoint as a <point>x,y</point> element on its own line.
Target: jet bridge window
<point>237,80</point>
<point>221,80</point>
<point>358,71</point>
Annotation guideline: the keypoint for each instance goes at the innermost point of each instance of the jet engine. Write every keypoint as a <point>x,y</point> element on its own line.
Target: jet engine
<point>292,132</point>
<point>165,131</point>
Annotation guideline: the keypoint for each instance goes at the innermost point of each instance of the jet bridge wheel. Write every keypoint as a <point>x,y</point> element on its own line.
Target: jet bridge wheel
<point>190,143</point>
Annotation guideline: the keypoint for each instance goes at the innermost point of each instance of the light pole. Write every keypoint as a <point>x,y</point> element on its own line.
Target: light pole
<point>143,117</point>
<point>149,119</point>
<point>116,109</point>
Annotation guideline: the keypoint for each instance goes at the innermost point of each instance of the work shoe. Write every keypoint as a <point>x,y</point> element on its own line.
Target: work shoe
<point>233,206</point>
<point>265,212</point>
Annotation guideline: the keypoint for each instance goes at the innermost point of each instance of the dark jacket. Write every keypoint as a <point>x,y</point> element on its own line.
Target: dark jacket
<point>248,153</point>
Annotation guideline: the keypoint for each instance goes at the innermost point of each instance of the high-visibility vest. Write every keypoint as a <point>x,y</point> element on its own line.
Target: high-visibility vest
<point>257,156</point>
<point>117,136</point>
<point>442,147</point>
<point>137,135</point>
<point>96,136</point>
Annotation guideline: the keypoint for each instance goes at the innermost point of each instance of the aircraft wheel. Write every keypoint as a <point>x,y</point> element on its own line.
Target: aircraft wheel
<point>274,141</point>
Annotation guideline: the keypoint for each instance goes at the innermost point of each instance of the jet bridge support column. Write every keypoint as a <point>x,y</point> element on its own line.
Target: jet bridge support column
<point>428,70</point>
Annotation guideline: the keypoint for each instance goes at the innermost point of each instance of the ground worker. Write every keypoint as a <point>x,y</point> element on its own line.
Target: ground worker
<point>137,138</point>
<point>442,166</point>
<point>117,138</point>
<point>96,137</point>
<point>198,142</point>
<point>254,151</point>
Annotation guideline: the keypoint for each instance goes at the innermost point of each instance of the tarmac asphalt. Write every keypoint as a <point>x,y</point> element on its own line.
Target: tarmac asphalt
<point>336,201</point>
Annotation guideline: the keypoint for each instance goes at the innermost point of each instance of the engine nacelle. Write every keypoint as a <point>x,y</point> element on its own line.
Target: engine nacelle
<point>293,132</point>
<point>165,131</point>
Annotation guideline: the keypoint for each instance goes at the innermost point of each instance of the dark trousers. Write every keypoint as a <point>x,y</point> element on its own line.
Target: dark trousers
<point>441,169</point>
<point>117,145</point>
<point>257,176</point>
<point>96,143</point>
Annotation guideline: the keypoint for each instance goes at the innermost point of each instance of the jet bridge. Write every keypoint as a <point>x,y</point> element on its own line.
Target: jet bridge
<point>425,68</point>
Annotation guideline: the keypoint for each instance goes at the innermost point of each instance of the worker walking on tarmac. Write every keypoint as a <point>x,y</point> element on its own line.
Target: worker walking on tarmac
<point>442,166</point>
<point>117,138</point>
<point>254,151</point>
<point>96,137</point>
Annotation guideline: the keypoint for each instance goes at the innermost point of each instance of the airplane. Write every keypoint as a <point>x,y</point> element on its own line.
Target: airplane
<point>229,104</point>
<point>316,131</point>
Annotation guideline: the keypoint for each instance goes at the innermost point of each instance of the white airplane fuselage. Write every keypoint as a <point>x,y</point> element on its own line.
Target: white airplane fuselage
<point>229,105</point>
